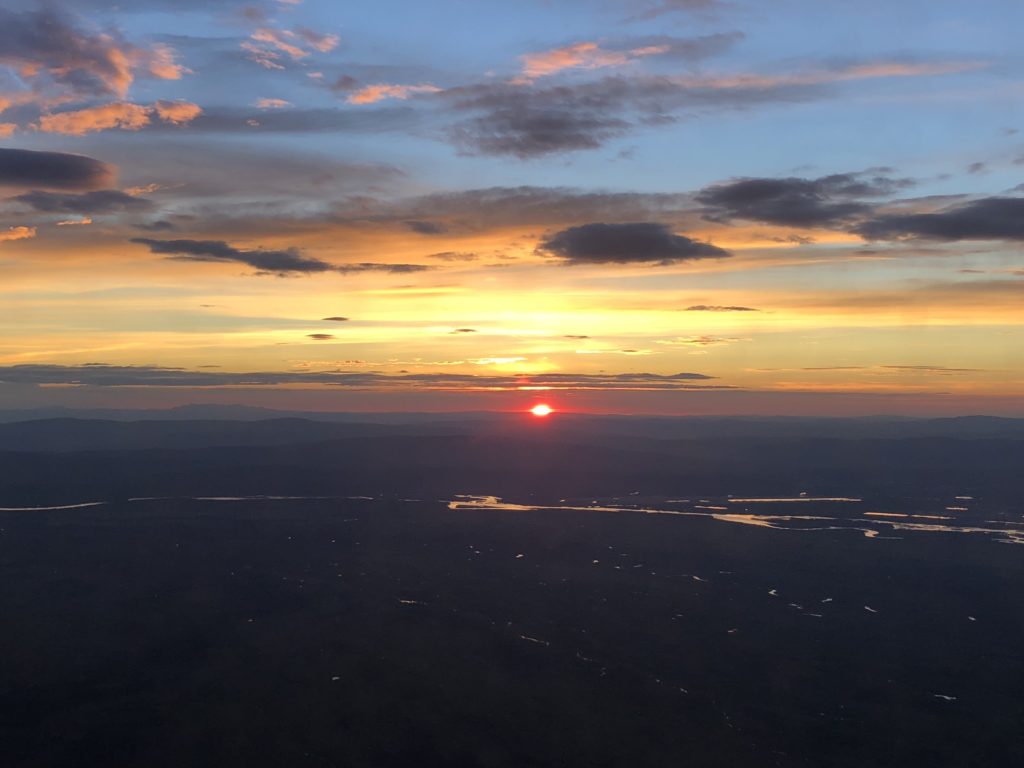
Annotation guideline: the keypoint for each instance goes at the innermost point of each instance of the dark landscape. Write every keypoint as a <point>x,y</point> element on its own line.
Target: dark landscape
<point>303,592</point>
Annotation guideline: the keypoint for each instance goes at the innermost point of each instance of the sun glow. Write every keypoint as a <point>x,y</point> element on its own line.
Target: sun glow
<point>541,410</point>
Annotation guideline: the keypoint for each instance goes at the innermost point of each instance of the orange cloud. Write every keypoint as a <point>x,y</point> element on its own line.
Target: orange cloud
<point>161,63</point>
<point>62,62</point>
<point>177,112</point>
<point>268,47</point>
<point>123,115</point>
<point>7,129</point>
<point>380,91</point>
<point>266,59</point>
<point>272,103</point>
<point>278,39</point>
<point>82,222</point>
<point>585,55</point>
<point>17,233</point>
<point>147,189</point>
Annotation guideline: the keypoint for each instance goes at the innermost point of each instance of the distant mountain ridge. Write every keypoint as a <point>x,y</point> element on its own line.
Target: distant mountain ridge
<point>173,429</point>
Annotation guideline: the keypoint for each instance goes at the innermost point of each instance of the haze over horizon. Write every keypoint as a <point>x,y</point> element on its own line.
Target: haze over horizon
<point>612,206</point>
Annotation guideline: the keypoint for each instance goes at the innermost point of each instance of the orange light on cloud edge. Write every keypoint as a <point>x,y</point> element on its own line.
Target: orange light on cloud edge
<point>541,410</point>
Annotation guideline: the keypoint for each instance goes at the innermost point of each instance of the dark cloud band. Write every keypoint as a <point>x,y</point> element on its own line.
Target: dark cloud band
<point>639,242</point>
<point>278,262</point>
<point>99,202</point>
<point>991,218</point>
<point>101,375</point>
<point>52,170</point>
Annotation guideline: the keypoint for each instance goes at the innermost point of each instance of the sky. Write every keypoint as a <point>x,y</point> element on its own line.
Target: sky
<point>614,206</point>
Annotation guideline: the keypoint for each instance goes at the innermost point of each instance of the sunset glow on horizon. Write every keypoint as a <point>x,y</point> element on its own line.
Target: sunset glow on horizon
<point>646,206</point>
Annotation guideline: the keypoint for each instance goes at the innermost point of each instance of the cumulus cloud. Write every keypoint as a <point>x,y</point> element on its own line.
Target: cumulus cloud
<point>99,202</point>
<point>53,53</point>
<point>528,132</point>
<point>122,115</point>
<point>52,170</point>
<point>176,112</point>
<point>828,200</point>
<point>17,233</point>
<point>639,242</point>
<point>990,218</point>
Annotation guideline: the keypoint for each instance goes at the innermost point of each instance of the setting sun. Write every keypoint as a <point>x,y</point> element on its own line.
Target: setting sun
<point>541,410</point>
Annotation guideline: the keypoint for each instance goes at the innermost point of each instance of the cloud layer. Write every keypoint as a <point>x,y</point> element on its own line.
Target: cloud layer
<point>52,170</point>
<point>640,242</point>
<point>102,375</point>
<point>289,261</point>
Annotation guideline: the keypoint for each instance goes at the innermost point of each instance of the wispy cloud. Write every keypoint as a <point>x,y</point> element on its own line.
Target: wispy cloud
<point>699,341</point>
<point>371,94</point>
<point>584,55</point>
<point>719,308</point>
<point>271,47</point>
<point>98,202</point>
<point>531,118</point>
